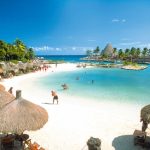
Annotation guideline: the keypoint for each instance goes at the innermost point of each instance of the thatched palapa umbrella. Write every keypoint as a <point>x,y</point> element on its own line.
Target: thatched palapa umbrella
<point>145,116</point>
<point>145,113</point>
<point>2,87</point>
<point>20,115</point>
<point>5,97</point>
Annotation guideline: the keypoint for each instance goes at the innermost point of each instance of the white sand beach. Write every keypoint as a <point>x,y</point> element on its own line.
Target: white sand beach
<point>73,121</point>
<point>134,67</point>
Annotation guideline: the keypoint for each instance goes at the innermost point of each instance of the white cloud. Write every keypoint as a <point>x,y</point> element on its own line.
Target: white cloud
<point>43,48</point>
<point>115,20</point>
<point>58,49</point>
<point>84,48</point>
<point>78,48</point>
<point>74,48</point>
<point>125,39</point>
<point>144,45</point>
<point>130,43</point>
<point>91,40</point>
<point>61,49</point>
<point>123,20</point>
<point>136,44</point>
<point>119,20</point>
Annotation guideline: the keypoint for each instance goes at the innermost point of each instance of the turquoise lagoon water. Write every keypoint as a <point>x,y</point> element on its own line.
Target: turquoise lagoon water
<point>109,84</point>
<point>66,58</point>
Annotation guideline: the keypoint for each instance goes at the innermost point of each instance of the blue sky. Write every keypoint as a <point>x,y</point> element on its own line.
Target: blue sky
<point>73,26</point>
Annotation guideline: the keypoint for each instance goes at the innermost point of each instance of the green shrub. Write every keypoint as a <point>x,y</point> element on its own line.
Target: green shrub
<point>14,61</point>
<point>125,63</point>
<point>24,60</point>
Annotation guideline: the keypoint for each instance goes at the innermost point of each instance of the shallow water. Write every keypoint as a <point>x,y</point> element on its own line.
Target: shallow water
<point>125,86</point>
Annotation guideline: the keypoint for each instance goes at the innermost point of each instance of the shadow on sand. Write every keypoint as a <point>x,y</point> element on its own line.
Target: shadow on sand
<point>48,103</point>
<point>125,142</point>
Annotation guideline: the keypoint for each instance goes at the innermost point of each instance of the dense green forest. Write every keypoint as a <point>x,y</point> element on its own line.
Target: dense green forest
<point>16,51</point>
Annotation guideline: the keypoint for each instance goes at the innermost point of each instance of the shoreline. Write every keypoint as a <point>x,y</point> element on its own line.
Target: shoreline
<point>72,122</point>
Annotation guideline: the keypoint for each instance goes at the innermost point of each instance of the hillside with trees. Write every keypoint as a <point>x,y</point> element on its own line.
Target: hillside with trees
<point>16,51</point>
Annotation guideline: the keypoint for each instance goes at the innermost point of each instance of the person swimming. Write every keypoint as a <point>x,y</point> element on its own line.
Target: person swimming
<point>77,78</point>
<point>65,86</point>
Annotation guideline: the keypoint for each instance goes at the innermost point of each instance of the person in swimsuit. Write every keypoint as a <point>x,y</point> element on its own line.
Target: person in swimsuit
<point>65,86</point>
<point>55,97</point>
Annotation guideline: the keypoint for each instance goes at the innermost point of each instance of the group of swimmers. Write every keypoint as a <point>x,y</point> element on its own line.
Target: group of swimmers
<point>44,68</point>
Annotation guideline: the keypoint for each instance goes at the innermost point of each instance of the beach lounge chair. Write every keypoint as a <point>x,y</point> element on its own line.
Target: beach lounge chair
<point>8,142</point>
<point>32,146</point>
<point>139,138</point>
<point>22,138</point>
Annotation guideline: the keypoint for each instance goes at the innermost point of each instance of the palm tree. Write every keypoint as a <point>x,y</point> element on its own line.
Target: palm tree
<point>121,54</point>
<point>21,48</point>
<point>127,53</point>
<point>138,52</point>
<point>145,52</point>
<point>2,54</point>
<point>96,51</point>
<point>3,50</point>
<point>149,52</point>
<point>89,53</point>
<point>114,52</point>
<point>132,53</point>
<point>30,52</point>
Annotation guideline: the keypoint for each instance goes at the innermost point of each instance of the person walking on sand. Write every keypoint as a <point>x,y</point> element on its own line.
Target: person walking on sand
<point>55,97</point>
<point>56,64</point>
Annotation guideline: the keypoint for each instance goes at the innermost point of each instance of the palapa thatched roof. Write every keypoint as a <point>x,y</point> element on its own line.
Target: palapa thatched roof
<point>21,115</point>
<point>5,97</point>
<point>108,50</point>
<point>145,113</point>
<point>2,87</point>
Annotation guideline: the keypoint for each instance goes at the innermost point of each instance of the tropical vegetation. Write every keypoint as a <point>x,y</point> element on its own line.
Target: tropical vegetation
<point>17,51</point>
<point>109,53</point>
